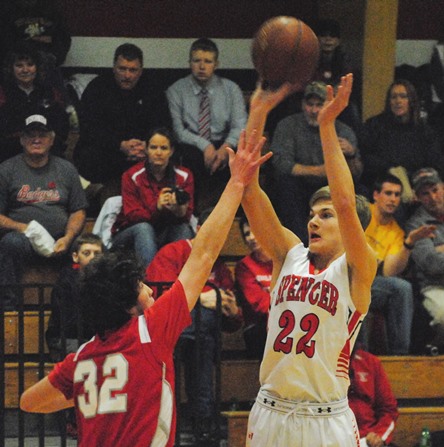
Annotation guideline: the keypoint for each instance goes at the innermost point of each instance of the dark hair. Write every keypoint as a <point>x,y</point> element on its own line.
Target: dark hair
<point>128,51</point>
<point>87,238</point>
<point>386,178</point>
<point>327,27</point>
<point>109,289</point>
<point>165,132</point>
<point>412,97</point>
<point>204,44</point>
<point>21,52</point>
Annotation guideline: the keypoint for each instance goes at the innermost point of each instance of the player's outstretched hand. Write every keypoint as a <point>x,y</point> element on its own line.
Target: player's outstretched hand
<point>245,163</point>
<point>335,104</point>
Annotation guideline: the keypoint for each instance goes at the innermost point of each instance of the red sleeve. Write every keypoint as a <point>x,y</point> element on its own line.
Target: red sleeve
<point>61,377</point>
<point>136,206</point>
<point>386,406</point>
<point>168,262</point>
<point>169,315</point>
<point>221,276</point>
<point>254,294</point>
<point>371,397</point>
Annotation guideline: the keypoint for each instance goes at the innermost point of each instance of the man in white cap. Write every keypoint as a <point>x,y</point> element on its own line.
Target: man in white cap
<point>42,205</point>
<point>428,254</point>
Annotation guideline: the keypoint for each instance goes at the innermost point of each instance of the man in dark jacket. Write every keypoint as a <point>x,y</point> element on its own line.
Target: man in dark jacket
<point>117,111</point>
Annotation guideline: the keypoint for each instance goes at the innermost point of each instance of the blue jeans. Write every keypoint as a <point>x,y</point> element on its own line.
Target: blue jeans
<point>15,253</point>
<point>393,297</point>
<point>145,241</point>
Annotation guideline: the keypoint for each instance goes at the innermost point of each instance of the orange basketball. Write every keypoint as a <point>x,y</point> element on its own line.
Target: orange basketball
<point>285,49</point>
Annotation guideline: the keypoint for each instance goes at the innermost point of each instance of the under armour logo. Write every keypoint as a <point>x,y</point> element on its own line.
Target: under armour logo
<point>271,402</point>
<point>327,410</point>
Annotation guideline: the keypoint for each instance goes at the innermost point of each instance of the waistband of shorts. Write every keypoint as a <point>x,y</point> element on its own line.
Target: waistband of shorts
<point>274,403</point>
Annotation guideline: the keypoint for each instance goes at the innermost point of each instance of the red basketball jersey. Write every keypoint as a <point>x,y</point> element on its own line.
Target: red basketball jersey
<point>123,385</point>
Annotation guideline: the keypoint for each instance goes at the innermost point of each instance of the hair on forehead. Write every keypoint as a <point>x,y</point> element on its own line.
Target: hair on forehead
<point>362,204</point>
<point>87,238</point>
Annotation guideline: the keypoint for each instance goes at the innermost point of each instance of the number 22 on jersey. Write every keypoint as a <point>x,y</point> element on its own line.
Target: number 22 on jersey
<point>306,345</point>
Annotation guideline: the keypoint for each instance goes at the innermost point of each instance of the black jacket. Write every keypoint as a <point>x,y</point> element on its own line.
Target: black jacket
<point>109,115</point>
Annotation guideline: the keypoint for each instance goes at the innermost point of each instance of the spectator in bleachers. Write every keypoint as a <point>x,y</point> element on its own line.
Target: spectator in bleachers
<point>334,62</point>
<point>25,92</point>
<point>65,310</point>
<point>298,161</point>
<point>157,200</point>
<point>117,108</point>
<point>38,22</point>
<point>42,205</point>
<point>41,25</point>
<point>428,253</point>
<point>199,384</point>
<point>65,314</point>
<point>253,277</point>
<point>208,114</point>
<point>372,400</point>
<point>397,140</point>
<point>391,295</point>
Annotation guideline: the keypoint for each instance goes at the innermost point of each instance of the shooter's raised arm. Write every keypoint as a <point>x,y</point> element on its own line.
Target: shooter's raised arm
<point>271,235</point>
<point>360,257</point>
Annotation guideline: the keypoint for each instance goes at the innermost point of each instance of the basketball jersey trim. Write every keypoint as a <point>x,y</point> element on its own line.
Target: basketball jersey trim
<point>342,367</point>
<point>144,334</point>
<point>164,420</point>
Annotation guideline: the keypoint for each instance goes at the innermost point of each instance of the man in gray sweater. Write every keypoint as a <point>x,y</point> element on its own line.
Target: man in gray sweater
<point>428,254</point>
<point>298,163</point>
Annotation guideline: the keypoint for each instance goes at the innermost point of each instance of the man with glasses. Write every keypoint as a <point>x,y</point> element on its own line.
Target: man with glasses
<point>42,205</point>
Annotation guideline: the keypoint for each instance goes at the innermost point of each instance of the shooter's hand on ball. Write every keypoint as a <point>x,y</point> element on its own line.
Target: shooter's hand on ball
<point>262,102</point>
<point>266,99</point>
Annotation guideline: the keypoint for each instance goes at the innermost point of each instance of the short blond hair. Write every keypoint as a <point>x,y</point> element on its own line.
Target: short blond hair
<point>362,204</point>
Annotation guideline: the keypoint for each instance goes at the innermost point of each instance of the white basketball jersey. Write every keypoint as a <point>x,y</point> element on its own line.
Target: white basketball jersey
<point>312,328</point>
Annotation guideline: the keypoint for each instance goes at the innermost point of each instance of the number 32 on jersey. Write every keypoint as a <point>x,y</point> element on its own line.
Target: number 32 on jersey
<point>106,398</point>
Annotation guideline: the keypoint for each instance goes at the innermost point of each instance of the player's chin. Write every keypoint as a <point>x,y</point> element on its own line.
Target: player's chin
<point>314,243</point>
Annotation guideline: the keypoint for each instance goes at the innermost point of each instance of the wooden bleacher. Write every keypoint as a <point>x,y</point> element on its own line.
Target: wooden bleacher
<point>413,378</point>
<point>31,332</point>
<point>32,375</point>
<point>417,383</point>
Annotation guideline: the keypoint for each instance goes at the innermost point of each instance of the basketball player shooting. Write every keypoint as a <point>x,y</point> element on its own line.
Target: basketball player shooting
<point>319,297</point>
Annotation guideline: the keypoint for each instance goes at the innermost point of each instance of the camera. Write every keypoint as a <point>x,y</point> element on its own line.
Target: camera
<point>431,350</point>
<point>182,196</point>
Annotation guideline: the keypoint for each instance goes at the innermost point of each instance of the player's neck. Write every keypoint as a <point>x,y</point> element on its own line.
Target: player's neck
<point>321,262</point>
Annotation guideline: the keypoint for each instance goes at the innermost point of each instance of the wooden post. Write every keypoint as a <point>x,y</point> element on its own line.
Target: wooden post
<point>379,54</point>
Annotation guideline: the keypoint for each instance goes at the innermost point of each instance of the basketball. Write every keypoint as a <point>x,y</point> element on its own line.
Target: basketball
<point>285,49</point>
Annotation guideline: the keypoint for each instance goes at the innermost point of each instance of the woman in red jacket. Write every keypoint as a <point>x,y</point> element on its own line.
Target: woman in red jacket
<point>157,201</point>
